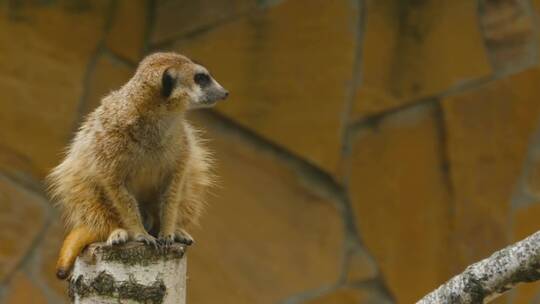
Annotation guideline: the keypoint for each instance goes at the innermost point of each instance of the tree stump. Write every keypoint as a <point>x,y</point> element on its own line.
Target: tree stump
<point>131,273</point>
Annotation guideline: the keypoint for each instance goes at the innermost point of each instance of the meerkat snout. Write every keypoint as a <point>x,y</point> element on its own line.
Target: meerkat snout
<point>209,91</point>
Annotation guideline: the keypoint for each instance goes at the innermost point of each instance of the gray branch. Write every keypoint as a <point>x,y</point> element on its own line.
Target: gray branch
<point>491,277</point>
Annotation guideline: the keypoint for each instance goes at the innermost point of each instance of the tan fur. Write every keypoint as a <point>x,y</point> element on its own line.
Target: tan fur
<point>136,160</point>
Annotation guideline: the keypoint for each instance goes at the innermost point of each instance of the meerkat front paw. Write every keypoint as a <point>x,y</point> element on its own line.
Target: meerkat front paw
<point>117,237</point>
<point>166,239</point>
<point>183,237</point>
<point>146,238</point>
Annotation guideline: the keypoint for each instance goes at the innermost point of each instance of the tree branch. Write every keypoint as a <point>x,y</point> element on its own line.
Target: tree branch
<point>131,273</point>
<point>491,277</point>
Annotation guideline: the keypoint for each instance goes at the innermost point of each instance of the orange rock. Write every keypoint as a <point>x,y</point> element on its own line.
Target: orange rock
<point>18,206</point>
<point>488,130</point>
<point>44,50</point>
<point>416,49</point>
<point>15,164</point>
<point>346,295</point>
<point>508,28</point>
<point>400,197</point>
<point>265,236</point>
<point>287,69</point>
<point>175,18</point>
<point>360,267</point>
<point>23,290</point>
<point>48,253</point>
<point>128,30</point>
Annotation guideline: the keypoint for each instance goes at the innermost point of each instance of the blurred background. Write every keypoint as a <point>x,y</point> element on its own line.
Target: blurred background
<point>370,149</point>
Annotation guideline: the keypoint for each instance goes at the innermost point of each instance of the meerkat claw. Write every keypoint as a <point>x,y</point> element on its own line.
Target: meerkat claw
<point>152,242</point>
<point>184,238</point>
<point>166,240</point>
<point>146,239</point>
<point>186,241</point>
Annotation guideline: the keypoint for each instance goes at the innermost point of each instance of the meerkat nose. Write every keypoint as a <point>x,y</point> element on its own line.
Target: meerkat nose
<point>225,95</point>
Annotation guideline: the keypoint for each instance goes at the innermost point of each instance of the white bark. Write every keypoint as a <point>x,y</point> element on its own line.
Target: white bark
<point>132,273</point>
<point>491,277</point>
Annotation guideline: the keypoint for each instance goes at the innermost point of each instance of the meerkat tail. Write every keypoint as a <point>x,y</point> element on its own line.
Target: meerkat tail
<point>74,243</point>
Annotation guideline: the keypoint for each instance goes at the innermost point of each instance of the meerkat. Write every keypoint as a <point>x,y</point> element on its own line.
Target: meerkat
<point>136,169</point>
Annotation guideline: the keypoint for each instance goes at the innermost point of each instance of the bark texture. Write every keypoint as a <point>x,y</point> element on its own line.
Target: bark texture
<point>133,273</point>
<point>491,277</point>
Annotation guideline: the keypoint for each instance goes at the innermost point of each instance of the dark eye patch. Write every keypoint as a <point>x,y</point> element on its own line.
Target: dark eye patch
<point>202,79</point>
<point>167,84</point>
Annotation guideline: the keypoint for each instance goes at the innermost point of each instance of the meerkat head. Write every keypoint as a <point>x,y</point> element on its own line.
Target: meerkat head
<point>183,84</point>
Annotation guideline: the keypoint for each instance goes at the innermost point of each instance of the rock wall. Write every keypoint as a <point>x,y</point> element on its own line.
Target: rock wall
<point>370,149</point>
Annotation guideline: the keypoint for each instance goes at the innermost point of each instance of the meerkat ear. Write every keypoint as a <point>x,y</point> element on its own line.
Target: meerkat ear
<point>168,82</point>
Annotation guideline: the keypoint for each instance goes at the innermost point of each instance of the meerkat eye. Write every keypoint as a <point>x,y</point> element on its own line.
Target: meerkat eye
<point>202,79</point>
